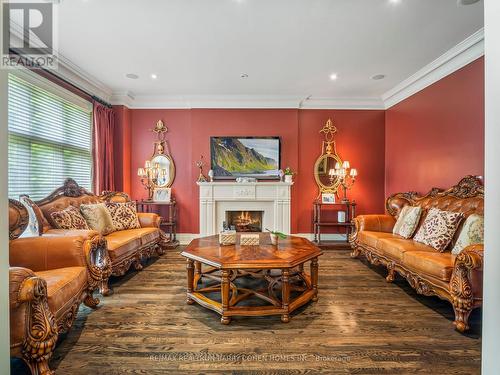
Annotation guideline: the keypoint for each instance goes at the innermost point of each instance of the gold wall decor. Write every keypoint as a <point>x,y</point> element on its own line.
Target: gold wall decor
<point>324,168</point>
<point>159,171</point>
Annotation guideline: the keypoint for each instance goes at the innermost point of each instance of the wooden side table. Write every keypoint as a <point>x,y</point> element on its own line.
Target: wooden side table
<point>168,224</point>
<point>318,222</point>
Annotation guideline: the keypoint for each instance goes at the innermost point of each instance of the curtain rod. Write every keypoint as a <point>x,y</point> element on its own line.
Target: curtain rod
<point>93,97</point>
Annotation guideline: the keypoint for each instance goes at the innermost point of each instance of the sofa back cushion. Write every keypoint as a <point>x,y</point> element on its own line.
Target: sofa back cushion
<point>407,222</point>
<point>69,218</point>
<point>438,228</point>
<point>472,233</point>
<point>124,215</point>
<point>98,218</point>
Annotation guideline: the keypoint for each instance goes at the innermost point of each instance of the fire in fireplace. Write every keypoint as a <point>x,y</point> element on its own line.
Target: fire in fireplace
<point>245,221</point>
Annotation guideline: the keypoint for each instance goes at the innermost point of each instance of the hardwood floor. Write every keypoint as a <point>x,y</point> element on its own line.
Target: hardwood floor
<point>361,325</point>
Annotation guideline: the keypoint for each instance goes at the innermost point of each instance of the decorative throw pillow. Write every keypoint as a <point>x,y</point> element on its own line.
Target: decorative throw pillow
<point>69,218</point>
<point>472,233</point>
<point>438,228</point>
<point>407,221</point>
<point>124,215</point>
<point>98,218</point>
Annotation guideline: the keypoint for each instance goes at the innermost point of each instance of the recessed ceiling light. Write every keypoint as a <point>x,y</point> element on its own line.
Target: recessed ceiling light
<point>154,76</point>
<point>378,77</point>
<point>131,76</point>
<point>467,2</point>
<point>394,1</point>
<point>333,76</point>
<point>243,75</point>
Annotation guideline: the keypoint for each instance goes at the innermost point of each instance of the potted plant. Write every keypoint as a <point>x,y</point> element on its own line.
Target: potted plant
<point>289,175</point>
<point>275,236</point>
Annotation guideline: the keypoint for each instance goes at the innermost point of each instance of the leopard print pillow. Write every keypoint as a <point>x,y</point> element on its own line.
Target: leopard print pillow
<point>438,228</point>
<point>124,215</point>
<point>69,218</point>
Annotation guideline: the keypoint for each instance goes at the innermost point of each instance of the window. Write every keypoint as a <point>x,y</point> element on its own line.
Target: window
<point>49,137</point>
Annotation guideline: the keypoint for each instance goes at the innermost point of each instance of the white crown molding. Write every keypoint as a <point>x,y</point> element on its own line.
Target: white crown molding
<point>125,98</point>
<point>81,79</point>
<point>342,103</point>
<point>241,101</point>
<point>457,57</point>
<point>211,101</point>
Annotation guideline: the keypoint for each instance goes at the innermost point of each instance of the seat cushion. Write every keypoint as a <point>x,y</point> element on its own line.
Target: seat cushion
<point>395,247</point>
<point>439,265</point>
<point>64,287</point>
<point>371,238</point>
<point>122,243</point>
<point>148,235</point>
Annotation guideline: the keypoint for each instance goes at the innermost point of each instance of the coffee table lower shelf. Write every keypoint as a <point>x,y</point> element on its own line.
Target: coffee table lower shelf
<point>287,289</point>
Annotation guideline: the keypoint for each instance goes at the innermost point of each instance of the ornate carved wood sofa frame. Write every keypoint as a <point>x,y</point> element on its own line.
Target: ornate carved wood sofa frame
<point>457,279</point>
<point>48,279</point>
<point>125,248</point>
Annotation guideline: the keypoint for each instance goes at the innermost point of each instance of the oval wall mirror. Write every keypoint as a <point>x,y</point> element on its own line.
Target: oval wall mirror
<point>323,173</point>
<point>167,170</point>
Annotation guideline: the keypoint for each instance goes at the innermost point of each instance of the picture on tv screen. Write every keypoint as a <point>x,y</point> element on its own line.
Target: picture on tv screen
<point>233,157</point>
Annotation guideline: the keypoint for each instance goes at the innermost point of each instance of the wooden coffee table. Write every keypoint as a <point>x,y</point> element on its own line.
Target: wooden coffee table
<point>230,279</point>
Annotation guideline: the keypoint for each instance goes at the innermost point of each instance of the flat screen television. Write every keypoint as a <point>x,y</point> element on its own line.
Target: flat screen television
<point>257,157</point>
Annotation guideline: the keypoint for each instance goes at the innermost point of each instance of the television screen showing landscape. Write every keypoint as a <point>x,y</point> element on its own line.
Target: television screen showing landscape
<point>233,157</point>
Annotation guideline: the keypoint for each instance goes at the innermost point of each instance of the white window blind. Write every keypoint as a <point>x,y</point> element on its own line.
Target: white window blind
<point>49,140</point>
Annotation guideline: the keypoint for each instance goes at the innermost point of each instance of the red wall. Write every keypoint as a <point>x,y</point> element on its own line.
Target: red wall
<point>436,136</point>
<point>431,139</point>
<point>360,139</point>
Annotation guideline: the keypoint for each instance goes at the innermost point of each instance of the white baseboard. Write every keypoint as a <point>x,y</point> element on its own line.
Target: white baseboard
<point>186,238</point>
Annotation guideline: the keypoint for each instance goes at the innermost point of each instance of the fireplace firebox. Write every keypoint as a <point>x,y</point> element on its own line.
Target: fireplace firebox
<point>245,221</point>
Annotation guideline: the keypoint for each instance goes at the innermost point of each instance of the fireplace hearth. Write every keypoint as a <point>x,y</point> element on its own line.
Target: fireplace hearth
<point>245,221</point>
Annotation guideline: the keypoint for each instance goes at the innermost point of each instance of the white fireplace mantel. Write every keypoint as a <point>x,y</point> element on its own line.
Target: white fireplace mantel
<point>273,198</point>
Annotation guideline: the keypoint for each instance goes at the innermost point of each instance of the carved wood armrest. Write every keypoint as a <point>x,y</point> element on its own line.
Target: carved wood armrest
<point>98,265</point>
<point>466,286</point>
<point>39,333</point>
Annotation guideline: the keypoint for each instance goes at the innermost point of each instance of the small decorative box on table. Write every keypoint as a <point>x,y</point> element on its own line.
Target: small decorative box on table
<point>168,225</point>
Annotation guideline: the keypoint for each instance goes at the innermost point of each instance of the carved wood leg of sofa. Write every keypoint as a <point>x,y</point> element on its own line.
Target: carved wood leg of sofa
<point>90,300</point>
<point>461,322</point>
<point>355,252</point>
<point>391,273</point>
<point>41,336</point>
<point>137,265</point>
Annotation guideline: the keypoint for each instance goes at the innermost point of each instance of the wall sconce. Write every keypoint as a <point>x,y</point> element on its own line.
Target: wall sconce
<point>346,176</point>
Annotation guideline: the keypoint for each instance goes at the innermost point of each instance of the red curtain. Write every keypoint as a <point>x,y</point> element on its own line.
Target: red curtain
<point>102,149</point>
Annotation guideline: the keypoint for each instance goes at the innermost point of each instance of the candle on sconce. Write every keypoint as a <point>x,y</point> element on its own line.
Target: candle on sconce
<point>141,172</point>
<point>147,164</point>
<point>354,172</point>
<point>346,165</point>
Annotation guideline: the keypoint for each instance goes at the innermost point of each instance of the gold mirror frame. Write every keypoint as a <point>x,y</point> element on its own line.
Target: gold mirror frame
<point>161,149</point>
<point>328,150</point>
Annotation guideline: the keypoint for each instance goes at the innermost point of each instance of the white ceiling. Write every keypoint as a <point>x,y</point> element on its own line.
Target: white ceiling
<point>287,47</point>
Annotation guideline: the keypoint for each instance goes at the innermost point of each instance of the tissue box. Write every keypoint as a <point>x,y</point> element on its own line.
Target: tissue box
<point>227,237</point>
<point>249,240</point>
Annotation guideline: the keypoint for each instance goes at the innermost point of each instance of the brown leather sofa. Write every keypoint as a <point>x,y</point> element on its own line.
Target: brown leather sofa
<point>49,277</point>
<point>125,247</point>
<point>457,279</point>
